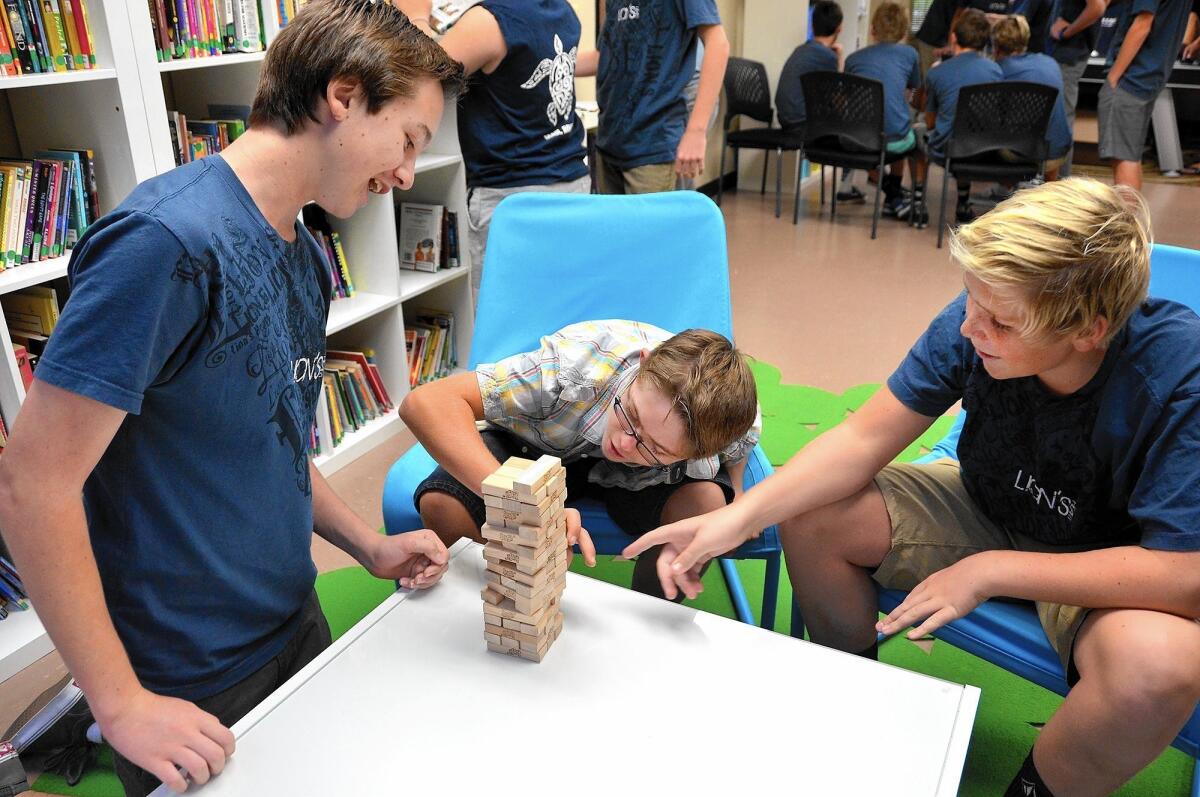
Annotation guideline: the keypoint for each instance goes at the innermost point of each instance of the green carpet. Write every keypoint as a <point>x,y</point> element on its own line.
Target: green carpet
<point>1010,709</point>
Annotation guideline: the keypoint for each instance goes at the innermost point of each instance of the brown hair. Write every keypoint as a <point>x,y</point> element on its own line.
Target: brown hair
<point>370,41</point>
<point>889,23</point>
<point>1075,249</point>
<point>1010,36</point>
<point>710,384</point>
<point>972,30</point>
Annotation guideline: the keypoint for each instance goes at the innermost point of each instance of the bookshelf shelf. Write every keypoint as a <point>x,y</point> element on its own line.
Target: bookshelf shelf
<point>344,313</point>
<point>212,60</point>
<point>17,277</point>
<point>415,283</point>
<point>427,162</point>
<point>355,444</point>
<point>23,641</point>
<point>56,78</point>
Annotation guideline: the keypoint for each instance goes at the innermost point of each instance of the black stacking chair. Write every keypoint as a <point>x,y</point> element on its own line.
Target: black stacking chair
<point>747,93</point>
<point>990,118</point>
<point>844,128</point>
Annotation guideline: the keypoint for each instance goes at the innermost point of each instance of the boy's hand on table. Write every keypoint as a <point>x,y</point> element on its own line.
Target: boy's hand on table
<point>577,535</point>
<point>417,559</point>
<point>945,596</point>
<point>688,544</point>
<point>164,735</point>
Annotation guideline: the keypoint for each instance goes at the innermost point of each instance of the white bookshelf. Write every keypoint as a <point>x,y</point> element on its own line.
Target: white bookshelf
<point>120,110</point>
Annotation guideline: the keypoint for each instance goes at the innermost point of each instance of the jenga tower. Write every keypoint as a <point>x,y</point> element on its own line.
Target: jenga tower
<point>526,556</point>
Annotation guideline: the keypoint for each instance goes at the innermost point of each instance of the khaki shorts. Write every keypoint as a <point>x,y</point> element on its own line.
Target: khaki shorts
<point>935,524</point>
<point>652,178</point>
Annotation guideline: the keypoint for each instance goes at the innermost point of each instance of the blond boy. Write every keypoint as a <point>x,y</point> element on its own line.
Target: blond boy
<point>654,426</point>
<point>1076,485</point>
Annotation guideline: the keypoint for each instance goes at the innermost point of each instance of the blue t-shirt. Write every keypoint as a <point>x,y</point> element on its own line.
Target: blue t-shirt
<point>1112,464</point>
<point>190,313</point>
<point>647,53</point>
<point>518,125</point>
<point>812,56</point>
<point>1079,47</point>
<point>943,82</point>
<point>1152,65</point>
<point>897,67</point>
<point>1041,68</point>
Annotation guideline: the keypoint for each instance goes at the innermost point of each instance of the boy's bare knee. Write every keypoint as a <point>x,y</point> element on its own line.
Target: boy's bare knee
<point>1146,659</point>
<point>690,500</point>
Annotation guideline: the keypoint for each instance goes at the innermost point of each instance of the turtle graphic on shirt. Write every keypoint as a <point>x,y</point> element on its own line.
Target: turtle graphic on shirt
<point>561,70</point>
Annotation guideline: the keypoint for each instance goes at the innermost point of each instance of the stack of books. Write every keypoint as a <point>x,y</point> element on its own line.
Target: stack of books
<point>354,396</point>
<point>46,36</point>
<point>205,28</point>
<point>31,314</point>
<point>428,237</point>
<point>429,341</point>
<point>193,139</point>
<point>317,223</point>
<point>46,204</point>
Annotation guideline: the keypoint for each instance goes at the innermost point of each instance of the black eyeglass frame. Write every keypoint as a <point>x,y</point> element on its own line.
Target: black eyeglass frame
<point>629,429</point>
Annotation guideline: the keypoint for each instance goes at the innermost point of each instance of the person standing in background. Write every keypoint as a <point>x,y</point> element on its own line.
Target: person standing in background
<point>1072,38</point>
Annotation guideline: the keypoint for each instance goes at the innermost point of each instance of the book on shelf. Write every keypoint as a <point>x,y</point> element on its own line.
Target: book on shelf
<point>354,396</point>
<point>46,204</point>
<point>317,223</point>
<point>193,139</point>
<point>13,595</point>
<point>31,310</point>
<point>430,345</point>
<point>187,29</point>
<point>428,237</point>
<point>42,36</point>
<point>21,354</point>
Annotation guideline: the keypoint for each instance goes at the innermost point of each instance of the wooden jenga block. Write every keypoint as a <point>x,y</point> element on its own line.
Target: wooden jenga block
<point>494,552</point>
<point>491,619</point>
<point>528,605</point>
<point>519,463</point>
<point>492,639</point>
<point>530,590</point>
<point>491,597</point>
<point>537,475</point>
<point>507,610</point>
<point>536,656</point>
<point>537,580</point>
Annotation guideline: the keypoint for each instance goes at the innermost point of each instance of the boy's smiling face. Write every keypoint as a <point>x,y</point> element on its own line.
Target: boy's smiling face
<point>648,415</point>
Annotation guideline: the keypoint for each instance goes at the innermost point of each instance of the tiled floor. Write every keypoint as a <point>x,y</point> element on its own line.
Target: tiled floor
<point>819,300</point>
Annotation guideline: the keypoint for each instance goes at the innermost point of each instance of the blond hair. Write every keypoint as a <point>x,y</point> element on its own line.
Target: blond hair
<point>1010,36</point>
<point>889,23</point>
<point>1075,250</point>
<point>709,382</point>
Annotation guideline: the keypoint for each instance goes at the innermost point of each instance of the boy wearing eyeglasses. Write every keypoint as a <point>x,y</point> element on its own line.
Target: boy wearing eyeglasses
<point>654,426</point>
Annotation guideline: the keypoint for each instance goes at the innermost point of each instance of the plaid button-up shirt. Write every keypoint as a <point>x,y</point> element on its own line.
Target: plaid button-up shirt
<point>556,398</point>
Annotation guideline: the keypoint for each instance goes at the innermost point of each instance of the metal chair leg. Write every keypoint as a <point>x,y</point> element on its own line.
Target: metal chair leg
<point>878,193</point>
<point>797,621</point>
<point>737,593</point>
<point>822,185</point>
<point>833,193</point>
<point>737,154</point>
<point>770,592</point>
<point>778,180</point>
<point>942,209</point>
<point>766,160</point>
<point>796,207</point>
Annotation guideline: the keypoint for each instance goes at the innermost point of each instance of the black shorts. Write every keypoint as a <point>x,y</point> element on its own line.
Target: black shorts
<point>634,511</point>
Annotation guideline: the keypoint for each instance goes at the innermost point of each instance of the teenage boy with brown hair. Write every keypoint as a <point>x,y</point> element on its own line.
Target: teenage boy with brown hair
<point>157,492</point>
<point>657,427</point>
<point>1076,485</point>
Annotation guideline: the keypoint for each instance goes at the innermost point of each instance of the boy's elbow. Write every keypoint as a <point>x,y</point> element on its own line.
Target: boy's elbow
<point>410,407</point>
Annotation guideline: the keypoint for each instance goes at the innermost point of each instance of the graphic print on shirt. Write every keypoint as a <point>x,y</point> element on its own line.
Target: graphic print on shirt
<point>270,312</point>
<point>561,71</point>
<point>648,30</point>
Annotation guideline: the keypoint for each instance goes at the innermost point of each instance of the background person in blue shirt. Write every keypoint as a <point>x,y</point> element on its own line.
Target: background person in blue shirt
<point>1073,37</point>
<point>897,67</point>
<point>157,492</point>
<point>1145,46</point>
<point>968,67</point>
<point>646,139</point>
<point>821,53</point>
<point>1075,485</point>
<point>1009,38</point>
<point>516,124</point>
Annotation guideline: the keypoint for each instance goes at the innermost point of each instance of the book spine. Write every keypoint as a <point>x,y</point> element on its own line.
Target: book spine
<point>49,224</point>
<point>27,244</point>
<point>343,264</point>
<point>87,26</point>
<point>185,33</point>
<point>12,241</point>
<point>228,30</point>
<point>157,31</point>
<point>65,190</point>
<point>194,32</point>
<point>8,60</point>
<point>15,21</point>
<point>81,33</point>
<point>74,51</point>
<point>248,33</point>
<point>33,17</point>
<point>6,190</point>
<point>52,12</point>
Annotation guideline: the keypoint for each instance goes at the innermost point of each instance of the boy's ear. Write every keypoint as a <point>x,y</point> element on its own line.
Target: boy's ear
<point>837,31</point>
<point>340,94</point>
<point>1093,337</point>
<point>643,356</point>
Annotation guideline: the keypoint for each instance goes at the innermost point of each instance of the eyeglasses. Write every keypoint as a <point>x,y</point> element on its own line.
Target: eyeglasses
<point>641,444</point>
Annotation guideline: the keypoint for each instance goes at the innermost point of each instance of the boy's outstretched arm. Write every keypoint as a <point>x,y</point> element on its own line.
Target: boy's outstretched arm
<point>442,416</point>
<point>835,465</point>
<point>689,156</point>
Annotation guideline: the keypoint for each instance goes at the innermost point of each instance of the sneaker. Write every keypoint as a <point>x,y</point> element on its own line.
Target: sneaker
<point>1032,183</point>
<point>920,215</point>
<point>891,207</point>
<point>853,195</point>
<point>964,214</point>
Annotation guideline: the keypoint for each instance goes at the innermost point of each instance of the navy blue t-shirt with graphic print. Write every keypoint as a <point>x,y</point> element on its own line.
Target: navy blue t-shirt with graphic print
<point>647,54</point>
<point>1111,464</point>
<point>1154,60</point>
<point>517,126</point>
<point>189,312</point>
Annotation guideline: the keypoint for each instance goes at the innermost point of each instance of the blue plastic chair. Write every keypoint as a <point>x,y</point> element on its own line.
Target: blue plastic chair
<point>556,259</point>
<point>1009,634</point>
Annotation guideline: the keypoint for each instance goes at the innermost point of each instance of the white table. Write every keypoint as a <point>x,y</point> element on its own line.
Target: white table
<point>637,696</point>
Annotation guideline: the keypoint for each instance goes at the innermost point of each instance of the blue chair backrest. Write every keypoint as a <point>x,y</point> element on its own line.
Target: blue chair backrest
<point>657,258</point>
<point>1174,275</point>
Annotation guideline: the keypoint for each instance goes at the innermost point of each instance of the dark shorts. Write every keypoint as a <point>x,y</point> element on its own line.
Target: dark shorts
<point>312,636</point>
<point>634,511</point>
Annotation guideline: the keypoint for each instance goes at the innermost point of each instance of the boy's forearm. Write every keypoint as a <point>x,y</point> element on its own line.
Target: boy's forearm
<point>445,425</point>
<point>337,523</point>
<point>1090,14</point>
<point>51,549</point>
<point>712,72</point>
<point>587,63</point>
<point>1128,577</point>
<point>1139,29</point>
